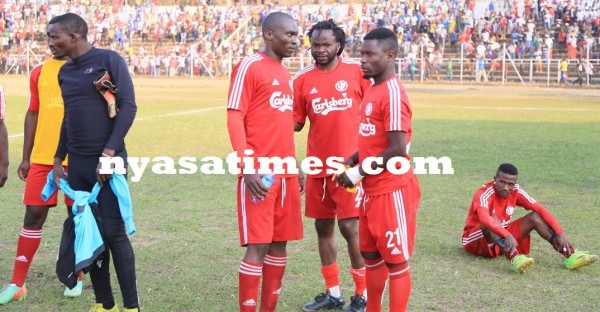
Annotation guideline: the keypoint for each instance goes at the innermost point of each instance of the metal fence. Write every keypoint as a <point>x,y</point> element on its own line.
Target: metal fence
<point>463,70</point>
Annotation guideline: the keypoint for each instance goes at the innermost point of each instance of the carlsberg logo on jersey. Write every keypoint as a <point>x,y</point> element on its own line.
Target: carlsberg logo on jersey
<point>281,102</point>
<point>333,104</point>
<point>367,129</point>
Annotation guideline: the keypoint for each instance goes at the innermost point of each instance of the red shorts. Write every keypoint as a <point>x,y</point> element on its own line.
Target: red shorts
<point>325,200</point>
<point>277,218</point>
<point>476,243</point>
<point>36,179</point>
<point>388,223</point>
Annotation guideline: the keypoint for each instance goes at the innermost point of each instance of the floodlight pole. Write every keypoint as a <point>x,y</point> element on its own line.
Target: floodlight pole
<point>504,62</point>
<point>462,59</point>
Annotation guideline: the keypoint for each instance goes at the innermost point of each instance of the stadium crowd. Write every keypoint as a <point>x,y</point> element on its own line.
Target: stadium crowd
<point>172,40</point>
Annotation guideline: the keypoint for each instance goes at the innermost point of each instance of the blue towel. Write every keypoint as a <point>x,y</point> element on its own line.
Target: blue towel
<point>88,240</point>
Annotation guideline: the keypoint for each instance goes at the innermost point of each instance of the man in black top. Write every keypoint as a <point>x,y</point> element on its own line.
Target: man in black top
<point>88,133</point>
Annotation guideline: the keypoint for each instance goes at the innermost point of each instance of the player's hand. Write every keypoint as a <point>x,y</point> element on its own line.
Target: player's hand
<point>3,174</point>
<point>350,177</point>
<point>510,245</point>
<point>302,182</point>
<point>23,170</point>
<point>59,173</point>
<point>101,178</point>
<point>255,186</point>
<point>344,180</point>
<point>562,243</point>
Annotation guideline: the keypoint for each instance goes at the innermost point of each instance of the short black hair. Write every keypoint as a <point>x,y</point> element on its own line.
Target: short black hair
<point>73,22</point>
<point>508,169</point>
<point>385,36</point>
<point>340,35</point>
<point>271,18</point>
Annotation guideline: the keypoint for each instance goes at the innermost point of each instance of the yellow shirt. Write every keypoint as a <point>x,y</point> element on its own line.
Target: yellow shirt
<point>46,99</point>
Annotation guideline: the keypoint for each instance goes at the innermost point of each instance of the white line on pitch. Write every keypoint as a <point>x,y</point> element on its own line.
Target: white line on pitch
<point>188,112</point>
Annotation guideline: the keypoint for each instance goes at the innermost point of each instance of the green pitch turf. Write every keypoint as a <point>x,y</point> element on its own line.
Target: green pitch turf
<point>187,251</point>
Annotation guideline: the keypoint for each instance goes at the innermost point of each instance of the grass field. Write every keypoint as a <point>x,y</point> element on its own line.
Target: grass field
<point>187,251</point>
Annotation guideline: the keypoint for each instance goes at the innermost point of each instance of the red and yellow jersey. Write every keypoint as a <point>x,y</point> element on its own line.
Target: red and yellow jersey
<point>261,89</point>
<point>331,101</point>
<point>495,213</point>
<point>384,108</point>
<point>46,99</point>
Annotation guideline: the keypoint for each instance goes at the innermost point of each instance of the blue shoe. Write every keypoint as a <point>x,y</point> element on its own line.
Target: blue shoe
<point>12,292</point>
<point>324,301</point>
<point>358,303</point>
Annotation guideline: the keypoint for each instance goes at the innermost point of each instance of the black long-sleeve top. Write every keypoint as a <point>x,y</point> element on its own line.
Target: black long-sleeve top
<point>86,129</point>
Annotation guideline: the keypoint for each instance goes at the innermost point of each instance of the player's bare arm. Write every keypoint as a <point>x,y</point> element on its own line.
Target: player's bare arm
<point>298,126</point>
<point>31,119</point>
<point>3,153</point>
<point>352,160</point>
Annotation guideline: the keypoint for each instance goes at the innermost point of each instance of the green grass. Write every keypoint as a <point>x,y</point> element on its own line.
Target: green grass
<point>187,251</point>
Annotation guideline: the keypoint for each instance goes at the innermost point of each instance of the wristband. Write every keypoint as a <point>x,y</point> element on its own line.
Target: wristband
<point>106,155</point>
<point>354,175</point>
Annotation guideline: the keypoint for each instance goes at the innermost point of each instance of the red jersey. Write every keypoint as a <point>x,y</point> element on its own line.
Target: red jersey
<point>261,89</point>
<point>331,101</point>
<point>487,204</point>
<point>384,108</point>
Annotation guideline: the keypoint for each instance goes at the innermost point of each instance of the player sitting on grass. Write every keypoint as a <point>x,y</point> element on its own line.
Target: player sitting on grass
<point>489,231</point>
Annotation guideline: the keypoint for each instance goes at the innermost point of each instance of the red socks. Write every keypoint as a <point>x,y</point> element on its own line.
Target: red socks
<point>331,273</point>
<point>249,279</point>
<point>273,270</point>
<point>400,287</point>
<point>27,244</point>
<point>360,280</point>
<point>377,274</point>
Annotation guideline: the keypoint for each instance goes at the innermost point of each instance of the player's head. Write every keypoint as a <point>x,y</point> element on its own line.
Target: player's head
<point>280,33</point>
<point>327,41</point>
<point>505,179</point>
<point>64,32</point>
<point>378,53</point>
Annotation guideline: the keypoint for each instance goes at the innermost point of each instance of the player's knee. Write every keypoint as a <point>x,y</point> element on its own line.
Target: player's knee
<point>398,270</point>
<point>256,252</point>
<point>372,256</point>
<point>324,227</point>
<point>536,219</point>
<point>35,217</point>
<point>348,228</point>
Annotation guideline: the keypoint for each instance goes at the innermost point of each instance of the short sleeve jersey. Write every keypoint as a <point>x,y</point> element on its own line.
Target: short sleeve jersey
<point>330,100</point>
<point>384,108</point>
<point>261,88</point>
<point>46,99</point>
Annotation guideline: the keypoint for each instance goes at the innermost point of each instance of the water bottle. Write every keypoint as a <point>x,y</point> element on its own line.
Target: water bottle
<point>267,180</point>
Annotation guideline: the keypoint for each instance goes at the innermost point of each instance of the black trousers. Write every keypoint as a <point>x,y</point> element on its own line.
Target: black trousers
<point>82,177</point>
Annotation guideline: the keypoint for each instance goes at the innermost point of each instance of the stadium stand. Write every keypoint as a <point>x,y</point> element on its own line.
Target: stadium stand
<point>439,39</point>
